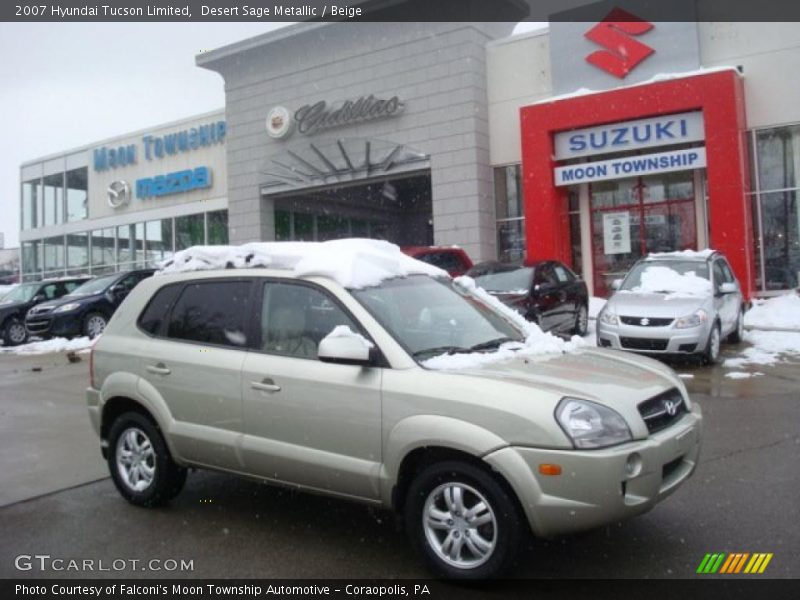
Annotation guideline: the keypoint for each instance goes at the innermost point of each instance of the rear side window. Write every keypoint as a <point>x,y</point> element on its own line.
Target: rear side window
<point>156,311</point>
<point>212,312</point>
<point>448,261</point>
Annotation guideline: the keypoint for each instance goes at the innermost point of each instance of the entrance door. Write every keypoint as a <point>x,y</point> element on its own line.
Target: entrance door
<point>633,217</point>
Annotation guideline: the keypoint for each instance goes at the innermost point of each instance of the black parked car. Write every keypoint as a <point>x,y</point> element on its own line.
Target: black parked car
<point>87,309</point>
<point>545,292</point>
<point>16,304</point>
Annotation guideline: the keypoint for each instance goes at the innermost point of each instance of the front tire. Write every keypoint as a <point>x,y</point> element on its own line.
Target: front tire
<point>140,463</point>
<point>711,353</point>
<point>14,333</point>
<point>94,324</point>
<point>581,321</point>
<point>737,335</point>
<point>462,521</point>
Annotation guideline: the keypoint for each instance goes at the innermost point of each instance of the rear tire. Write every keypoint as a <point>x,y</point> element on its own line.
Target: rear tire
<point>14,332</point>
<point>737,335</point>
<point>140,463</point>
<point>462,521</point>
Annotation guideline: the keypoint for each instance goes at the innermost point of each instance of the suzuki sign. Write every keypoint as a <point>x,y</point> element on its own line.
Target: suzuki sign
<point>622,52</point>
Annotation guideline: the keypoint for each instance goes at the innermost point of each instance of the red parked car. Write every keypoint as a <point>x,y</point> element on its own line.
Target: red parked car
<point>449,258</point>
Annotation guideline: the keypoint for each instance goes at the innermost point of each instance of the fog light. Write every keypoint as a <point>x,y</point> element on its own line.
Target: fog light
<point>633,466</point>
<point>546,469</point>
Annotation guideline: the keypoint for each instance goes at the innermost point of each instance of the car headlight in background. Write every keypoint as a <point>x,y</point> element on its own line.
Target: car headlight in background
<point>695,319</point>
<point>67,307</point>
<point>609,318</point>
<point>591,425</point>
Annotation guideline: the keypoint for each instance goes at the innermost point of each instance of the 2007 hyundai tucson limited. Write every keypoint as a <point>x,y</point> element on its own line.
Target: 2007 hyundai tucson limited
<point>347,368</point>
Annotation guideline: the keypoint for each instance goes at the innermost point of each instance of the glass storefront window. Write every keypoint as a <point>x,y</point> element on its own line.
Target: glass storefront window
<point>77,252</point>
<point>510,212</point>
<point>77,194</point>
<point>780,215</point>
<point>331,227</point>
<point>217,223</point>
<point>778,153</point>
<point>102,249</point>
<point>158,242</point>
<point>31,258</point>
<point>189,231</point>
<point>303,227</point>
<point>53,256</point>
<point>138,256</point>
<point>126,253</point>
<point>53,205</point>
<point>31,197</point>
<point>283,226</point>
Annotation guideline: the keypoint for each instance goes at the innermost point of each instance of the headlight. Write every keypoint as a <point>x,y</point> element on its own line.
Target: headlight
<point>67,307</point>
<point>695,319</point>
<point>591,425</point>
<point>609,318</point>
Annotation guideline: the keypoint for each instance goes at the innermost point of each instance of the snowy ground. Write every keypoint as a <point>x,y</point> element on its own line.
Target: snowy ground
<point>81,344</point>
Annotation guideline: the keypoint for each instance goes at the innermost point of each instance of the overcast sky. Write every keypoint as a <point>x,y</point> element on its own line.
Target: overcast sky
<point>64,85</point>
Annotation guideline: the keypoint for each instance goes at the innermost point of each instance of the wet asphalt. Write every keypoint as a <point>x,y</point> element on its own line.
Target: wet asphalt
<point>56,499</point>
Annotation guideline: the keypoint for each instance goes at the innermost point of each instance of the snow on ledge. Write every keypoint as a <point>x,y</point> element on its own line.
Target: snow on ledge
<point>354,263</point>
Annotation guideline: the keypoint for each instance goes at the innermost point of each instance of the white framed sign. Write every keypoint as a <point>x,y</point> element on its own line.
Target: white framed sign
<point>616,233</point>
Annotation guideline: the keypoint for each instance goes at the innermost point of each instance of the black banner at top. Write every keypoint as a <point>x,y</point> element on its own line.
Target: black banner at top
<point>389,10</point>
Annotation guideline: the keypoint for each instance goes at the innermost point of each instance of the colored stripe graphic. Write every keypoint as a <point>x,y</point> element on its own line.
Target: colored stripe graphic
<point>733,563</point>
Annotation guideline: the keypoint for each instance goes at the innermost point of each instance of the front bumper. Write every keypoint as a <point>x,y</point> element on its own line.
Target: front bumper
<point>54,325</point>
<point>593,488</point>
<point>652,340</point>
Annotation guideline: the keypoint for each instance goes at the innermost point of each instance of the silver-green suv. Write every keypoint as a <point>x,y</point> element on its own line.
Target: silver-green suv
<point>415,394</point>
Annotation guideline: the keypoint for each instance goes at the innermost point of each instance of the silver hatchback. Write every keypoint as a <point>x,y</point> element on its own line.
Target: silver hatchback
<point>674,303</point>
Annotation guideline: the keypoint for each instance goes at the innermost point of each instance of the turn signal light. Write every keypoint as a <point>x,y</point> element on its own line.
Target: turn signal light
<point>546,469</point>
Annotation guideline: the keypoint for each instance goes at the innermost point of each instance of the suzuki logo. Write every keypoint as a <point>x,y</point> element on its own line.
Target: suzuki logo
<point>644,322</point>
<point>623,53</point>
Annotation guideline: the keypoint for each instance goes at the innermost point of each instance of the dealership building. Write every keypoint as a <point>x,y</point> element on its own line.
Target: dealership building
<point>593,143</point>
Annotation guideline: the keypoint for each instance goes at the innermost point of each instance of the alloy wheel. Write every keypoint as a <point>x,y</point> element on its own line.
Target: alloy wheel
<point>95,325</point>
<point>460,525</point>
<point>17,333</point>
<point>714,342</point>
<point>136,459</point>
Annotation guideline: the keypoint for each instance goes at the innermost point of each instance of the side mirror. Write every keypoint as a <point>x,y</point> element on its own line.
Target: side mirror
<point>616,284</point>
<point>543,288</point>
<point>39,298</point>
<point>728,288</point>
<point>345,347</point>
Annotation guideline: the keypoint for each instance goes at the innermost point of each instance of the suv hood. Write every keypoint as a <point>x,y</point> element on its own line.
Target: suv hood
<point>640,304</point>
<point>615,379</point>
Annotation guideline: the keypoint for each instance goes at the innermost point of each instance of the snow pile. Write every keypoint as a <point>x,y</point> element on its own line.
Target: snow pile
<point>663,279</point>
<point>766,349</point>
<point>781,312</point>
<point>595,306</point>
<point>354,263</point>
<point>690,254</point>
<point>536,341</point>
<point>48,346</point>
<point>742,375</point>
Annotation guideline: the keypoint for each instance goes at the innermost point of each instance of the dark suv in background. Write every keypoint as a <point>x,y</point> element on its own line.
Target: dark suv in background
<point>16,304</point>
<point>87,309</point>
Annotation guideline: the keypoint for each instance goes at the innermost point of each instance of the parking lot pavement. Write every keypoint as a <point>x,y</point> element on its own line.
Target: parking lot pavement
<point>46,441</point>
<point>743,498</point>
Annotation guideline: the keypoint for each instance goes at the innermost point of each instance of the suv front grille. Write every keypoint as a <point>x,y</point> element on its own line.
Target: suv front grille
<point>663,410</point>
<point>643,343</point>
<point>646,321</point>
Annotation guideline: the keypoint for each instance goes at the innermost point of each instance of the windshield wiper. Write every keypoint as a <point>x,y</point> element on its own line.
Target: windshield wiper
<point>495,343</point>
<point>443,350</point>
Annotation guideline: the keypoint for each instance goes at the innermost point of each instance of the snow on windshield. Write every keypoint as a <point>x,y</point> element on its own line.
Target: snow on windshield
<point>536,341</point>
<point>353,263</point>
<point>667,279</point>
<point>701,254</point>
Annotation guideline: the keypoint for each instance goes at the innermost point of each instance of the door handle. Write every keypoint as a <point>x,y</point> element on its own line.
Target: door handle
<point>159,369</point>
<point>265,385</point>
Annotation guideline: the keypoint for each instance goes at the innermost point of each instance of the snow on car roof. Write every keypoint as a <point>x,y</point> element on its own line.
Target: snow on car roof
<point>684,254</point>
<point>354,263</point>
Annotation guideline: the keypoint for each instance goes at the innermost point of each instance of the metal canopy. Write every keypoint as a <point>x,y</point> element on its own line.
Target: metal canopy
<point>340,161</point>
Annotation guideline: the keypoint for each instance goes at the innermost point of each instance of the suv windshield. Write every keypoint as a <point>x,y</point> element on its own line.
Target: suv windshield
<point>664,276</point>
<point>21,293</point>
<point>434,316</point>
<point>517,281</point>
<point>95,286</point>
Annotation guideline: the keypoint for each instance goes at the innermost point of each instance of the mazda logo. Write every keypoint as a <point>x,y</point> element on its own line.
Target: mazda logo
<point>671,407</point>
<point>119,194</point>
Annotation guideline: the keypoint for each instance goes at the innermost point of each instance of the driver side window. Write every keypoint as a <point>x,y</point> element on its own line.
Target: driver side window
<point>295,318</point>
<point>545,276</point>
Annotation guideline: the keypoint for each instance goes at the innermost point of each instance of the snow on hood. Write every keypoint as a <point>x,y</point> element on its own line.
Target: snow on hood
<point>657,279</point>
<point>536,341</point>
<point>353,263</point>
<point>780,312</point>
